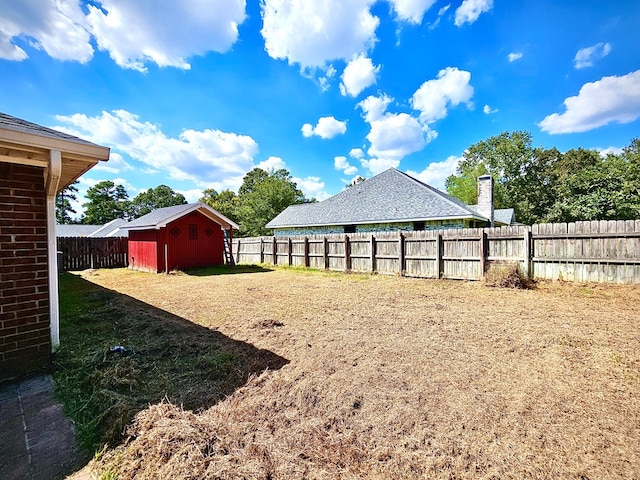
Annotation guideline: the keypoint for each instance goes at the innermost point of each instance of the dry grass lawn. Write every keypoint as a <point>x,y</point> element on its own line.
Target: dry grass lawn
<point>395,377</point>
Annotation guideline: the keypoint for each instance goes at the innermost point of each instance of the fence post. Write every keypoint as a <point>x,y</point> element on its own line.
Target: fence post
<point>527,253</point>
<point>290,251</point>
<point>306,252</point>
<point>439,262</point>
<point>484,251</point>
<point>372,253</point>
<point>325,256</point>
<point>401,252</point>
<point>347,254</point>
<point>275,251</point>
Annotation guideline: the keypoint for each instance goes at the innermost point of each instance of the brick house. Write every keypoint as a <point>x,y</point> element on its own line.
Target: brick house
<point>35,164</point>
<point>391,201</point>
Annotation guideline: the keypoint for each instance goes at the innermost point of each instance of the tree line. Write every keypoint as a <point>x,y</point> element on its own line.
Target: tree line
<point>261,197</point>
<point>541,185</point>
<point>547,186</point>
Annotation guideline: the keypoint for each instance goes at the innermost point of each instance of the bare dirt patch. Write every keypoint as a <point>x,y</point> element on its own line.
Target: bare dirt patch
<point>399,378</point>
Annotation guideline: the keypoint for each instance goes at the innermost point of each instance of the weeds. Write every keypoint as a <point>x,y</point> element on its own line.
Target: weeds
<point>507,275</point>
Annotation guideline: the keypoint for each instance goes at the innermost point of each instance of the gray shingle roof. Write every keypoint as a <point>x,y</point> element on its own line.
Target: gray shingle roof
<point>13,123</point>
<point>161,216</point>
<point>76,230</point>
<point>391,196</point>
<point>158,216</point>
<point>110,229</point>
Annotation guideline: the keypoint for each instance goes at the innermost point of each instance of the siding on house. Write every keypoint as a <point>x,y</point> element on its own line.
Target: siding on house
<point>371,227</point>
<point>25,342</point>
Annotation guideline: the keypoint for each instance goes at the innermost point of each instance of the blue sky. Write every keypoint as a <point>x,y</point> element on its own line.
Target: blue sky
<point>194,94</point>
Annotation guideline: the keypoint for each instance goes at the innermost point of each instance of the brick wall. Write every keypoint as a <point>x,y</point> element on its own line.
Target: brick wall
<point>25,343</point>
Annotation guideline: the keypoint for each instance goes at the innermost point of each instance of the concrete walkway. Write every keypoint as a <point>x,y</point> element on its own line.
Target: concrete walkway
<point>37,441</point>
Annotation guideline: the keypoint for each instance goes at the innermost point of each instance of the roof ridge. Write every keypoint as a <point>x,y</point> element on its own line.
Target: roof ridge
<point>444,195</point>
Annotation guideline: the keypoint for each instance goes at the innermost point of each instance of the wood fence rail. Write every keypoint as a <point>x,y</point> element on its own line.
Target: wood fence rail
<point>80,253</point>
<point>599,251</point>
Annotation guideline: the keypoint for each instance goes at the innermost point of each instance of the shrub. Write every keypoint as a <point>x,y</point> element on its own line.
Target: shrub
<point>507,275</point>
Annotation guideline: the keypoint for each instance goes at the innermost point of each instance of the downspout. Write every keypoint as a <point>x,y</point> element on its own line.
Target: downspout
<point>52,180</point>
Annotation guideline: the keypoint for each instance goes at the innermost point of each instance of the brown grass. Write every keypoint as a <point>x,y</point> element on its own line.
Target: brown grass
<point>393,377</point>
<point>507,275</point>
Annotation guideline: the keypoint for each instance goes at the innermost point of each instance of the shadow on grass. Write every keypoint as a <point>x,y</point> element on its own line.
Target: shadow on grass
<point>164,357</point>
<point>226,270</point>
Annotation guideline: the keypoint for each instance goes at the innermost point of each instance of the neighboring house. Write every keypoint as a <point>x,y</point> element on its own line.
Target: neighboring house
<point>110,229</point>
<point>35,164</point>
<point>390,201</point>
<point>179,238</point>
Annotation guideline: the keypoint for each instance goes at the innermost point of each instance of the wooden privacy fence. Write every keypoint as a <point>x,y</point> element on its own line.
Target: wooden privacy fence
<point>80,253</point>
<point>599,251</point>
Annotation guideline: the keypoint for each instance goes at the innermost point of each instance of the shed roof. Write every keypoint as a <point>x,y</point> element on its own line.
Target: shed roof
<point>28,143</point>
<point>389,197</point>
<point>162,216</point>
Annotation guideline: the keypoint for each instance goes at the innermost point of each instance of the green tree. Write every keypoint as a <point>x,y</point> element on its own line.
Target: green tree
<point>506,157</point>
<point>262,196</point>
<point>589,187</point>
<point>226,202</point>
<point>63,203</point>
<point>106,201</point>
<point>159,197</point>
<point>631,181</point>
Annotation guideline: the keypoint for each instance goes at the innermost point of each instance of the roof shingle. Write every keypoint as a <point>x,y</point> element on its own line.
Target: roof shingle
<point>391,196</point>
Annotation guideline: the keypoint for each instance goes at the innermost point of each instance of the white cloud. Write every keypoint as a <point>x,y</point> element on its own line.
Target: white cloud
<point>312,187</point>
<point>327,127</point>
<point>358,75</point>
<point>488,110</point>
<point>441,13</point>
<point>395,136</point>
<point>374,107</point>
<point>450,88</point>
<point>513,56</point>
<point>378,164</point>
<point>587,56</point>
<point>436,173</point>
<point>610,150</point>
<point>164,32</point>
<point>610,99</point>
<point>312,33</point>
<point>57,27</point>
<point>272,164</point>
<point>411,11</point>
<point>116,164</point>
<point>356,153</point>
<point>341,163</point>
<point>200,156</point>
<point>470,10</point>
<point>191,196</point>
<point>325,81</point>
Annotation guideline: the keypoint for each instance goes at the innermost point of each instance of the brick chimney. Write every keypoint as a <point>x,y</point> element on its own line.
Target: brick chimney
<point>485,197</point>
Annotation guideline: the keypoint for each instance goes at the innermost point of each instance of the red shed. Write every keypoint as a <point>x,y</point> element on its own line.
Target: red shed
<point>179,238</point>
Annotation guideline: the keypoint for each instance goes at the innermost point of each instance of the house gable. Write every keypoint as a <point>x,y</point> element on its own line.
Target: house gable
<point>392,200</point>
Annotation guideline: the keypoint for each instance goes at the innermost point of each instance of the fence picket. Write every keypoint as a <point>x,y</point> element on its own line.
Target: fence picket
<point>607,251</point>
